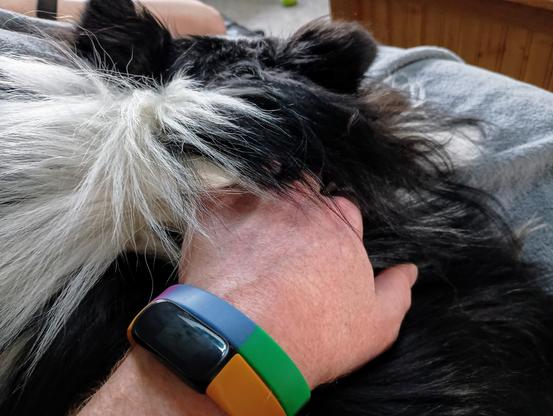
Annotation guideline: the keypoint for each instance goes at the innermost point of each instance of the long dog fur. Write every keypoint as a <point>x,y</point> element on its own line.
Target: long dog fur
<point>104,162</point>
<point>85,177</point>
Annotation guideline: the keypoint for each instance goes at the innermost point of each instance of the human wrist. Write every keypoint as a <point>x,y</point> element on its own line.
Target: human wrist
<point>278,317</point>
<point>142,386</point>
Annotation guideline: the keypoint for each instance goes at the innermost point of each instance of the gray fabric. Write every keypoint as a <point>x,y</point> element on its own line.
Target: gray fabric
<point>28,45</point>
<point>517,162</point>
<point>23,35</point>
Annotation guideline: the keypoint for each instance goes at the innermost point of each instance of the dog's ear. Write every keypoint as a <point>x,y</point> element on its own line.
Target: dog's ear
<point>334,55</point>
<point>120,35</point>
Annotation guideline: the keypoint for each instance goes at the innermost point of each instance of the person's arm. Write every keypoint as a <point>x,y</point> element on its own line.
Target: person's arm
<point>182,17</point>
<point>141,386</point>
<point>301,273</point>
<point>27,7</point>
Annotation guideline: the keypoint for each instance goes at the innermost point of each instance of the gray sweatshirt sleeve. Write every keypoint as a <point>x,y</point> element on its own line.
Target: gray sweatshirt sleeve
<point>516,162</point>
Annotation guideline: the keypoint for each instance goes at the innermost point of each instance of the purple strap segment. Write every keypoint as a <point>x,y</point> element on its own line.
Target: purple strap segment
<point>214,312</point>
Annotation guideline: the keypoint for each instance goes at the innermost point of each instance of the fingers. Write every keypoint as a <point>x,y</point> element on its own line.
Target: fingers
<point>393,298</point>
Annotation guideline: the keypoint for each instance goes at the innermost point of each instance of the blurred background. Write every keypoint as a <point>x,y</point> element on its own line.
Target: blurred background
<point>512,37</point>
<point>270,15</point>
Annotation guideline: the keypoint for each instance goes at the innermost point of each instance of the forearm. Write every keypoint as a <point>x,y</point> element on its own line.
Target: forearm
<point>141,386</point>
<point>72,8</point>
<point>182,17</point>
<point>27,7</point>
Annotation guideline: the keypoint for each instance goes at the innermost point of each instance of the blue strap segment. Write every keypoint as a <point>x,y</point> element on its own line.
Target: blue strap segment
<point>214,312</point>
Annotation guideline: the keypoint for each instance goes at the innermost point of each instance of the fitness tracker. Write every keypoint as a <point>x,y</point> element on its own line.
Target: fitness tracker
<point>219,351</point>
<point>47,9</point>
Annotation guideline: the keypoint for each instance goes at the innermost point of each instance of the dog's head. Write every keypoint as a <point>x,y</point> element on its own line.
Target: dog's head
<point>362,139</point>
<point>324,120</point>
<point>107,148</point>
<point>110,146</point>
<point>129,39</point>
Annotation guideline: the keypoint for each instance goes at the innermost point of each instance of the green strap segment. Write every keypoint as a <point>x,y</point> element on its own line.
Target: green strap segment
<point>277,370</point>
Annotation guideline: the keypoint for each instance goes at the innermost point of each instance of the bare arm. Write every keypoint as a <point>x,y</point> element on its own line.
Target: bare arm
<point>182,17</point>
<point>143,386</point>
<point>27,7</point>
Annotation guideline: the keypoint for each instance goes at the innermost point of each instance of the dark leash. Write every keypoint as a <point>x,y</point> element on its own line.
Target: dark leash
<point>47,9</point>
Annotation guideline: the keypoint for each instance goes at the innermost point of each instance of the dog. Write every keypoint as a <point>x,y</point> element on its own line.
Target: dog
<point>107,154</point>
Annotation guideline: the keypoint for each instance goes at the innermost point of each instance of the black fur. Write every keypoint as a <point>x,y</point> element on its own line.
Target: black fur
<point>119,36</point>
<point>85,352</point>
<point>478,339</point>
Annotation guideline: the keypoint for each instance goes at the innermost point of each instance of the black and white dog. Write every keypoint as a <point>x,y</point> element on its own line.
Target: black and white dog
<point>106,152</point>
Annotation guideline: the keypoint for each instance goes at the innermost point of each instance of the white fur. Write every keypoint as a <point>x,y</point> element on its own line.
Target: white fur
<point>85,175</point>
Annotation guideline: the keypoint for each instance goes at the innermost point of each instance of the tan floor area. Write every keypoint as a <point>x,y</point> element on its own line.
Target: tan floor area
<point>270,15</point>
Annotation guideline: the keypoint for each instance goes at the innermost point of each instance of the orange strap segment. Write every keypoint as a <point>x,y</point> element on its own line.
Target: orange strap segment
<point>239,391</point>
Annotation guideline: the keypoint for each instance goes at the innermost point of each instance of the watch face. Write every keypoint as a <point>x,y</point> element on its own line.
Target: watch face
<point>187,346</point>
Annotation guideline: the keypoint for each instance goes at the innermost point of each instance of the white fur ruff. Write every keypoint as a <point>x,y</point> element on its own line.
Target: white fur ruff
<point>84,176</point>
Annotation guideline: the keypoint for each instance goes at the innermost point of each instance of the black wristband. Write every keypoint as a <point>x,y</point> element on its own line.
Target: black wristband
<point>47,9</point>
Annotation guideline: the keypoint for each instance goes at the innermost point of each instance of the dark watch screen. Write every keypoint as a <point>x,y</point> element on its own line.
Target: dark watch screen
<point>191,349</point>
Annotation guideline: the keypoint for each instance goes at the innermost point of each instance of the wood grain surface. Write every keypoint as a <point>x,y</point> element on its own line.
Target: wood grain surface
<point>513,37</point>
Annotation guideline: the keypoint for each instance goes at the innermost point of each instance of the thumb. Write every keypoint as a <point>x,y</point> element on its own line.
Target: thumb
<point>393,300</point>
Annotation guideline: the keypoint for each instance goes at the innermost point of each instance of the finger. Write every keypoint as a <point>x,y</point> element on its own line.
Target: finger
<point>393,299</point>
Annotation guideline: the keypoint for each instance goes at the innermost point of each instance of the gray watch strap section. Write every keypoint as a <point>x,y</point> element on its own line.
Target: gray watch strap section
<point>47,9</point>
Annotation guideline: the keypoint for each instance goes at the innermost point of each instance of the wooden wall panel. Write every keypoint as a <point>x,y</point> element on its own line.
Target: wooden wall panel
<point>515,58</point>
<point>347,10</point>
<point>433,25</point>
<point>491,46</point>
<point>413,25</point>
<point>544,4</point>
<point>514,37</point>
<point>380,20</point>
<point>452,28</point>
<point>469,36</point>
<point>539,59</point>
<point>397,22</point>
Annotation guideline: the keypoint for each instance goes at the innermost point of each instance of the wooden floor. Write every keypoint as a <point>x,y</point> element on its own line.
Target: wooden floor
<point>514,37</point>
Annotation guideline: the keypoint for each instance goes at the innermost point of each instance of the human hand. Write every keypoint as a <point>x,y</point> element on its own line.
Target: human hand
<point>300,272</point>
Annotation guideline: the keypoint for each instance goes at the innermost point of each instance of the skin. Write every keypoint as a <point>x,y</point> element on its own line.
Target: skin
<point>299,271</point>
<point>182,17</point>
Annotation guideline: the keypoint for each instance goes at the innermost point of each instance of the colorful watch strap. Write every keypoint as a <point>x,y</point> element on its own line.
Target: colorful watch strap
<point>239,391</point>
<point>221,316</point>
<point>260,379</point>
